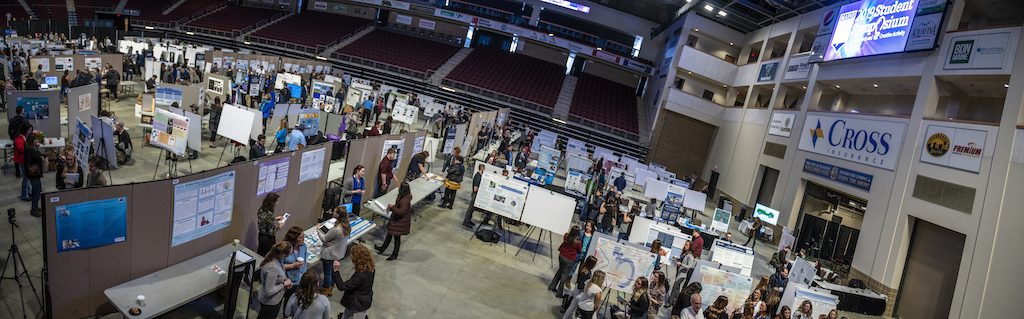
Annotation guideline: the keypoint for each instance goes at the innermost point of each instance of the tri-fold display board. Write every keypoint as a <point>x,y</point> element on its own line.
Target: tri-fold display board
<point>96,238</point>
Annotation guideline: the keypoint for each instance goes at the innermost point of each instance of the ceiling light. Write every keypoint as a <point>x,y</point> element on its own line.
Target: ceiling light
<point>246,42</point>
<point>837,86</point>
<point>1006,85</point>
<point>875,85</point>
<point>804,87</point>
<point>688,1</point>
<point>599,49</point>
<point>149,28</point>
<point>730,43</point>
<point>709,7</point>
<point>551,34</point>
<point>854,111</point>
<point>696,30</point>
<point>725,86</point>
<point>447,89</point>
<point>321,58</point>
<point>688,72</point>
<point>190,33</point>
<point>721,13</point>
<point>558,120</point>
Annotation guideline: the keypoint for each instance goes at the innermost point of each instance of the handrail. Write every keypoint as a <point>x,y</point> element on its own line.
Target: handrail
<point>955,120</point>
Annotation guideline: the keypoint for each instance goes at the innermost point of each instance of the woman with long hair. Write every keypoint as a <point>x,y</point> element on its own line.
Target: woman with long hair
<point>656,250</point>
<point>334,243</point>
<point>355,187</point>
<point>785,313</point>
<point>806,310</point>
<point>639,303</point>
<point>358,289</point>
<point>567,253</point>
<point>717,309</point>
<point>281,136</point>
<point>308,303</point>
<point>274,281</point>
<point>295,262</point>
<point>267,224</point>
<point>658,291</point>
<point>582,276</point>
<point>401,221</point>
<point>590,298</point>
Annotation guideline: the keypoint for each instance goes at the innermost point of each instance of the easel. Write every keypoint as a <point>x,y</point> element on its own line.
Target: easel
<point>222,151</point>
<point>540,235</point>
<point>172,165</point>
<point>605,306</point>
<point>239,273</point>
<point>499,224</point>
<point>103,148</point>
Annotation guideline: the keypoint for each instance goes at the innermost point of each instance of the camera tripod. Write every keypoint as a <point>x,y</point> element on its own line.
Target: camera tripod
<point>14,258</point>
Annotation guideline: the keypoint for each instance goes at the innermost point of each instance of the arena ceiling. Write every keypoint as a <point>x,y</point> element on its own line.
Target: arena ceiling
<point>742,15</point>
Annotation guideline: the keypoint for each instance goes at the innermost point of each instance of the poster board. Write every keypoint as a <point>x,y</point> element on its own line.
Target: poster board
<point>91,224</point>
<point>170,131</point>
<point>240,127</point>
<point>405,113</point>
<point>202,207</point>
<point>273,174</point>
<point>104,132</point>
<point>64,63</point>
<point>695,200</point>
<point>284,79</point>
<point>311,165</point>
<point>577,181</point>
<point>82,140</point>
<point>502,195</point>
<point>802,272</point>
<point>672,240</point>
<point>656,189</point>
<point>310,120</point>
<point>83,102</point>
<point>621,263</point>
<point>716,282</point>
<point>216,84</point>
<point>548,210</point>
<point>733,255</point>
<point>643,176</point>
<point>822,301</point>
<point>432,145</point>
<point>720,221</point>
<point>42,109</point>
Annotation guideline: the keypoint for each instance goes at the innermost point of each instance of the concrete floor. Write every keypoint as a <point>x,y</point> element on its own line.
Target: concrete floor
<point>440,273</point>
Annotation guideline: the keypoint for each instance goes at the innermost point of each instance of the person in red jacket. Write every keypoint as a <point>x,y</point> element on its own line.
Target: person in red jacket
<point>19,159</point>
<point>697,244</point>
<point>567,251</point>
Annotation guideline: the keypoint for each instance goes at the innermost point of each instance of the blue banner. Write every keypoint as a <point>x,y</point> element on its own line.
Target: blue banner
<point>839,174</point>
<point>91,224</point>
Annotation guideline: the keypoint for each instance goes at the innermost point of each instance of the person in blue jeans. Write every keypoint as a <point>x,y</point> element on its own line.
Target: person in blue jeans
<point>335,244</point>
<point>295,262</point>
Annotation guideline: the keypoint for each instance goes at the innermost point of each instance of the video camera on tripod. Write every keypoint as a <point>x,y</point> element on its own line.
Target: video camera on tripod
<point>11,217</point>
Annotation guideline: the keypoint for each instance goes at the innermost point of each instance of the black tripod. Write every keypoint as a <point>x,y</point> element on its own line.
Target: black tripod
<point>14,258</point>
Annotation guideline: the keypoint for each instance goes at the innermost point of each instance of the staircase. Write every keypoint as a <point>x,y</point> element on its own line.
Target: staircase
<point>31,14</point>
<point>172,7</point>
<point>271,22</point>
<point>641,117</point>
<point>447,67</point>
<point>355,36</point>
<point>564,101</point>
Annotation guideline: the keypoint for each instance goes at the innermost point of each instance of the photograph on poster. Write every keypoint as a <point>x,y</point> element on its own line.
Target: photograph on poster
<point>91,224</point>
<point>215,85</point>
<point>35,107</point>
<point>273,176</point>
<point>170,131</point>
<point>202,207</point>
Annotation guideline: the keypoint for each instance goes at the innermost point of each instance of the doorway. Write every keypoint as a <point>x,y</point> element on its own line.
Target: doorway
<point>766,191</point>
<point>930,272</point>
<point>830,223</point>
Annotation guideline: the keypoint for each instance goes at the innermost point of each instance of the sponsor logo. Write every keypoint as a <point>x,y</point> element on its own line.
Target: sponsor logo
<point>961,52</point>
<point>971,149</point>
<point>816,133</point>
<point>766,213</point>
<point>829,17</point>
<point>937,145</point>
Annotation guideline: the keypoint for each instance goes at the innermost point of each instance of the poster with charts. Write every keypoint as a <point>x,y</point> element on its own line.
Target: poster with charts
<point>501,195</point>
<point>576,182</point>
<point>202,207</point>
<point>720,222</point>
<point>82,142</point>
<point>62,64</point>
<point>273,176</point>
<point>733,255</point>
<point>93,63</point>
<point>405,113</point>
<point>621,263</point>
<point>312,165</point>
<point>91,224</point>
<point>170,131</point>
<point>716,282</point>
<point>168,97</point>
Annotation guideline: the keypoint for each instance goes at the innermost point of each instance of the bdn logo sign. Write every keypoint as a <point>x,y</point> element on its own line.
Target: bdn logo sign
<point>961,52</point>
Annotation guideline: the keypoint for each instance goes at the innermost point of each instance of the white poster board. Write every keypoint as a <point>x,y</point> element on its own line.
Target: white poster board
<point>716,282</point>
<point>548,210</point>
<point>195,135</point>
<point>312,165</point>
<point>730,254</point>
<point>822,301</point>
<point>695,200</point>
<point>170,131</point>
<point>643,175</point>
<point>502,195</point>
<point>432,145</point>
<point>621,263</point>
<point>656,189</point>
<point>202,207</point>
<point>802,272</point>
<point>239,128</point>
<point>720,221</point>
<point>405,113</point>
<point>672,240</point>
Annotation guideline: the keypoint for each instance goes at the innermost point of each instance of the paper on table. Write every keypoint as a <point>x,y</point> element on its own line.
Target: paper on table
<point>242,257</point>
<point>379,205</point>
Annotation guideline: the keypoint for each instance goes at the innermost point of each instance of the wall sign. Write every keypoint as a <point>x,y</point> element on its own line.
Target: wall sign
<point>768,71</point>
<point>865,140</point>
<point>977,51</point>
<point>839,174</point>
<point>798,67</point>
<point>781,124</point>
<point>953,147</point>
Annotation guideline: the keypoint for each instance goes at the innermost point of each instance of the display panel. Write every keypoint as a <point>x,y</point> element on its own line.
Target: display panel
<point>35,107</point>
<point>501,195</point>
<point>766,214</point>
<point>170,131</point>
<point>871,27</point>
<point>91,224</point>
<point>202,207</point>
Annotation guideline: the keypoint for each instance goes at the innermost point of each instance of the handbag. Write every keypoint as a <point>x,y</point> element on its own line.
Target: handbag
<point>452,185</point>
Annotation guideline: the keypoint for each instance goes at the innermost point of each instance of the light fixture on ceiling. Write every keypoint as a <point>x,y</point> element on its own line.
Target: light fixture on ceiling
<point>689,73</point>
<point>447,89</point>
<point>854,111</point>
<point>190,33</point>
<point>721,13</point>
<point>696,30</point>
<point>730,44</point>
<point>551,34</point>
<point>321,58</point>
<point>246,42</point>
<point>149,28</point>
<point>875,85</point>
<point>709,7</point>
<point>804,87</point>
<point>725,86</point>
<point>688,1</point>
<point>837,86</point>
<point>558,120</point>
<point>1006,85</point>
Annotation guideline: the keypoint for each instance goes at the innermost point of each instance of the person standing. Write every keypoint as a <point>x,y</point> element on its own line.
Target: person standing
<point>295,262</point>
<point>358,289</point>
<point>95,177</point>
<point>296,138</point>
<point>697,244</point>
<point>355,187</point>
<point>417,166</point>
<point>590,299</point>
<point>266,107</point>
<point>385,173</point>
<point>113,79</point>
<point>14,127</point>
<point>258,149</point>
<point>639,303</point>
<point>308,303</point>
<point>281,137</point>
<point>754,231</point>
<point>657,292</point>
<point>401,221</point>
<point>477,179</point>
<point>567,253</point>
<point>334,243</point>
<point>453,181</point>
<point>267,224</point>
<point>20,146</point>
<point>215,111</point>
<point>34,162</point>
<point>274,280</point>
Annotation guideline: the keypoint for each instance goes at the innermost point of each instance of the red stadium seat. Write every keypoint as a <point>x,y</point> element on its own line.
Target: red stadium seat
<point>516,75</point>
<point>605,102</point>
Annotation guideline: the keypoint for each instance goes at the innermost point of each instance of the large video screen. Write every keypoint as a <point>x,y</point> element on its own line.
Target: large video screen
<point>871,27</point>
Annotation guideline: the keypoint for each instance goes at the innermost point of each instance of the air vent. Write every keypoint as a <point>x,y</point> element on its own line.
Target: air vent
<point>956,197</point>
<point>775,150</point>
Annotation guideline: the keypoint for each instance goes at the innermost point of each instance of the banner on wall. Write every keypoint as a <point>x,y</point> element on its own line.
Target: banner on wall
<point>959,148</point>
<point>91,224</point>
<point>202,207</point>
<point>869,141</point>
<point>781,124</point>
<point>977,51</point>
<point>798,67</point>
<point>768,71</point>
<point>839,174</point>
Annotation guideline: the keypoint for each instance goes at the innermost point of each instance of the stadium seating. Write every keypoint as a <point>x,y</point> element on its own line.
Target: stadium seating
<point>105,4</point>
<point>233,18</point>
<point>604,101</point>
<point>516,75</point>
<point>152,10</point>
<point>400,50</point>
<point>312,28</point>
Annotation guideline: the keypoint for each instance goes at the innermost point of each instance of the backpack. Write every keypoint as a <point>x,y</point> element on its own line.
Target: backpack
<point>487,235</point>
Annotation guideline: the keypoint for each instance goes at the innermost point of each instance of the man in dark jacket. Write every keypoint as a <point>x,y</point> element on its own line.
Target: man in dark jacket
<point>452,182</point>
<point>477,179</point>
<point>113,79</point>
<point>31,84</point>
<point>16,122</point>
<point>258,149</point>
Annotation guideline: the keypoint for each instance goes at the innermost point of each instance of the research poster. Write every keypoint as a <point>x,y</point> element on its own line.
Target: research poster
<point>576,182</point>
<point>168,97</point>
<point>202,207</point>
<point>62,64</point>
<point>91,224</point>
<point>35,107</point>
<point>398,145</point>
<point>733,255</point>
<point>621,264</point>
<point>170,131</point>
<point>672,206</point>
<point>672,240</point>
<point>215,85</point>
<point>310,120</point>
<point>93,63</point>
<point>273,176</point>
<point>501,195</point>
<point>821,303</point>
<point>40,64</point>
<point>405,113</point>
<point>716,282</point>
<point>82,141</point>
<point>417,145</point>
<point>720,222</point>
<point>84,102</point>
<point>312,165</point>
